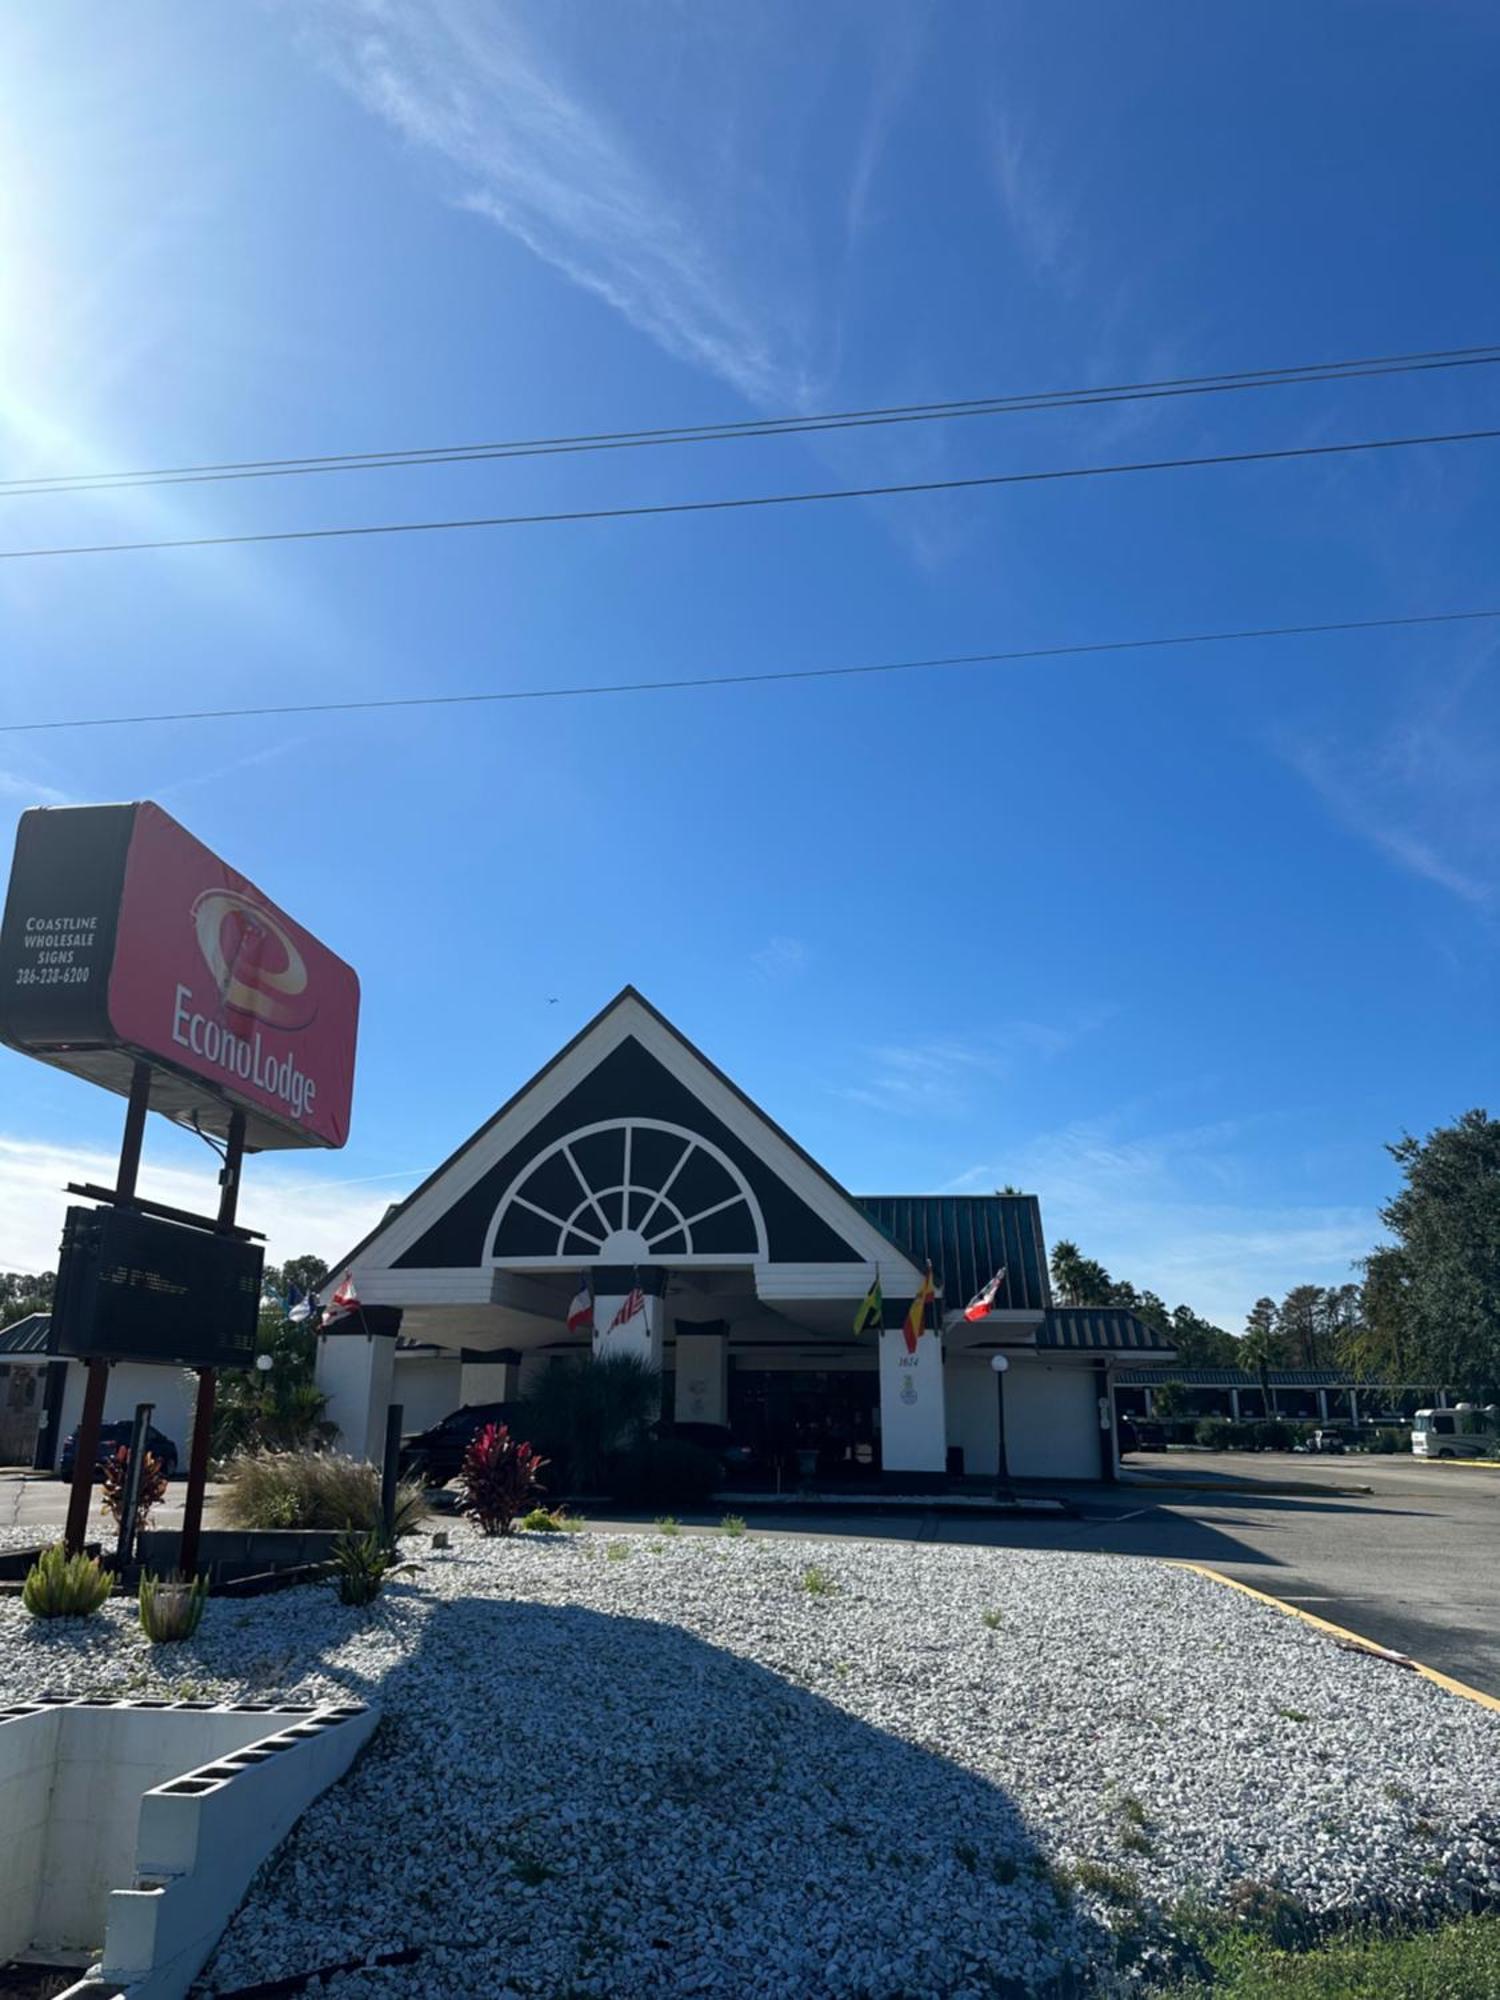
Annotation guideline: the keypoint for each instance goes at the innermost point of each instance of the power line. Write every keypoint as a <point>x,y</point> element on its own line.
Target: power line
<point>762,427</point>
<point>1011,655</point>
<point>574,514</point>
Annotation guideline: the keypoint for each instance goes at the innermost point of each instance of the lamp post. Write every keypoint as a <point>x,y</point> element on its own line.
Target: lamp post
<point>1002,1463</point>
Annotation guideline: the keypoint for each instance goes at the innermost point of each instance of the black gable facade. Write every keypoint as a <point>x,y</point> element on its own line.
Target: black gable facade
<point>629,1098</point>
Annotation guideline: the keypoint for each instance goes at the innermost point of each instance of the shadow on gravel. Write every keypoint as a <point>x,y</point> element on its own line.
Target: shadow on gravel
<point>570,1802</point>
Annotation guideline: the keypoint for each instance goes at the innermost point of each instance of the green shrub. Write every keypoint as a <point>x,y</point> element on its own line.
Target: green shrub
<point>312,1489</point>
<point>732,1525</point>
<point>667,1524</point>
<point>665,1472</point>
<point>361,1564</point>
<point>817,1582</point>
<point>1216,1434</point>
<point>540,1522</point>
<point>1271,1434</point>
<point>62,1586</point>
<point>583,1412</point>
<point>1386,1441</point>
<point>171,1607</point>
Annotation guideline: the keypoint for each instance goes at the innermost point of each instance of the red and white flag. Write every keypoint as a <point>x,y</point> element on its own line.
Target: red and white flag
<point>633,1302</point>
<point>344,1301</point>
<point>581,1312</point>
<point>984,1301</point>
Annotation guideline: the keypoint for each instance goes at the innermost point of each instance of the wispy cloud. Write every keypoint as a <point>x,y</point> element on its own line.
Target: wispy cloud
<point>1179,1213</point>
<point>29,791</point>
<point>947,1076</point>
<point>780,959</point>
<point>1042,223</point>
<point>1422,790</point>
<point>535,156</point>
<point>297,1212</point>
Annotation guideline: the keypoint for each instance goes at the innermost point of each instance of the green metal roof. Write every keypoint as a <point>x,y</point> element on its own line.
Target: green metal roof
<point>969,1237</point>
<point>1103,1328</point>
<point>25,1336</point>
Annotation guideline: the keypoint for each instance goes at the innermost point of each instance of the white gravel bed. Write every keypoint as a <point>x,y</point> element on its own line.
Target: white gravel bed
<point>683,1772</point>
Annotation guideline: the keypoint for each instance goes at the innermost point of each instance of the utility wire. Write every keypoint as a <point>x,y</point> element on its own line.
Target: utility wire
<point>762,427</point>
<point>744,500</point>
<point>1012,654</point>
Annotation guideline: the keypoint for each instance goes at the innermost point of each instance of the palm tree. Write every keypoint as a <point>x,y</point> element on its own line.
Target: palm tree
<point>1263,1349</point>
<point>586,1408</point>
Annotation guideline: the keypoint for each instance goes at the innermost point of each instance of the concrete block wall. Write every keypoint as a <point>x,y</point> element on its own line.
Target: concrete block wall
<point>141,1824</point>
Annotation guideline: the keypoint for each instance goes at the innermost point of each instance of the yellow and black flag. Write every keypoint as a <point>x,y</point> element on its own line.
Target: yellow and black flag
<point>872,1311</point>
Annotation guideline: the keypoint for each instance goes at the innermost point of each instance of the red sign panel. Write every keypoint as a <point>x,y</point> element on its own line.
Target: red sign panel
<point>126,937</point>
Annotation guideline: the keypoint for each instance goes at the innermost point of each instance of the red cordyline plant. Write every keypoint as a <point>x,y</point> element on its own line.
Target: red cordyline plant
<point>153,1486</point>
<point>498,1478</point>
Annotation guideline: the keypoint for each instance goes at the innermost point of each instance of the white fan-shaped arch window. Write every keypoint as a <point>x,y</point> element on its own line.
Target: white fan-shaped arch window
<point>625,1192</point>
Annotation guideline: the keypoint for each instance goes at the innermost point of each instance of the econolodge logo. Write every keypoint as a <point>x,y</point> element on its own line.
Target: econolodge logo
<point>256,965</point>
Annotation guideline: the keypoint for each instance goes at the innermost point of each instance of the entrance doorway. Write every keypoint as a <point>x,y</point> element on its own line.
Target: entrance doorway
<point>783,1412</point>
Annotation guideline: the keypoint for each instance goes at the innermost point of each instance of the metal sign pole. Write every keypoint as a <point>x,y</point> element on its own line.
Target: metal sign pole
<point>140,1431</point>
<point>91,1417</point>
<point>203,1414</point>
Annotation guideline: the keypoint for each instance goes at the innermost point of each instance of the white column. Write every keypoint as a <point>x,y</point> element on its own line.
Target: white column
<point>1323,1405</point>
<point>489,1381</point>
<point>913,1419</point>
<point>1234,1406</point>
<point>702,1395</point>
<point>354,1372</point>
<point>641,1335</point>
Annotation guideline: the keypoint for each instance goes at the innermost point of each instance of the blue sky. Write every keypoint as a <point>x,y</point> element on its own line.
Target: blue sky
<point>1177,940</point>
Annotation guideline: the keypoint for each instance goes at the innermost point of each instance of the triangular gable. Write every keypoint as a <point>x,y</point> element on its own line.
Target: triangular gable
<point>630,1128</point>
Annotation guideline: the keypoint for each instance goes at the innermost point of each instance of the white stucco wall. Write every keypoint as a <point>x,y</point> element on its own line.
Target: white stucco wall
<point>427,1386</point>
<point>913,1414</point>
<point>174,1391</point>
<point>1052,1421</point>
<point>973,1412</point>
<point>355,1372</point>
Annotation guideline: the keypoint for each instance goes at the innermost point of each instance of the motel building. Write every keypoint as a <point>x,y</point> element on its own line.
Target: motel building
<point>630,1163</point>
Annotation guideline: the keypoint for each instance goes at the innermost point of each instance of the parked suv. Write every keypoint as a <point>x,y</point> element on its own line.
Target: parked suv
<point>111,1437</point>
<point>434,1455</point>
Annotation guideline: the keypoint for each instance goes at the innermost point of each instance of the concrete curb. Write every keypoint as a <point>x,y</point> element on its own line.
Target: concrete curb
<point>1342,1633</point>
<point>1148,1483</point>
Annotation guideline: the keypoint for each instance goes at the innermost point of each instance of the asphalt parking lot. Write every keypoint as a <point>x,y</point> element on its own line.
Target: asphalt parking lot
<point>1410,1562</point>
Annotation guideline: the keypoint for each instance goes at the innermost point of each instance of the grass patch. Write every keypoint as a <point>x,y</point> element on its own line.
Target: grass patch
<point>1293,1715</point>
<point>667,1524</point>
<point>732,1525</point>
<point>991,1620</point>
<point>817,1582</point>
<point>1098,1878</point>
<point>616,1552</point>
<point>1461,1961</point>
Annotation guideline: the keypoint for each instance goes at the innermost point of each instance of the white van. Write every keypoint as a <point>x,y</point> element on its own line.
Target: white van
<point>1462,1432</point>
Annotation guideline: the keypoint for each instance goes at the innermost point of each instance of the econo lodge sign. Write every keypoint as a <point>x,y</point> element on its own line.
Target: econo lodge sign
<point>126,939</point>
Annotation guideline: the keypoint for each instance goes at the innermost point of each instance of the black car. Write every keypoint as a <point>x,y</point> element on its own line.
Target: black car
<point>111,1437</point>
<point>434,1455</point>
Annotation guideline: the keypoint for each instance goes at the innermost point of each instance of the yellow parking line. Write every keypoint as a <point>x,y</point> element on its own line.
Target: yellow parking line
<point>1461,1464</point>
<point>1342,1632</point>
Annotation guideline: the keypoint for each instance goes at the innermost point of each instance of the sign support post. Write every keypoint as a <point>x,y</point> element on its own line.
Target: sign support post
<point>208,1380</point>
<point>91,1417</point>
<point>140,1432</point>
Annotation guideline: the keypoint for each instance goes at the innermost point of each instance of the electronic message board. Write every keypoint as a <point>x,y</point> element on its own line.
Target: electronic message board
<point>133,1287</point>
